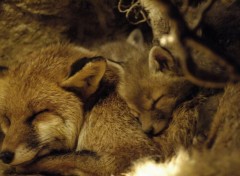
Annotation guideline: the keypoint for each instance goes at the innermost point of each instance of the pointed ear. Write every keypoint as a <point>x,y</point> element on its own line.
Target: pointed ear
<point>135,38</point>
<point>3,70</point>
<point>85,75</point>
<point>160,60</point>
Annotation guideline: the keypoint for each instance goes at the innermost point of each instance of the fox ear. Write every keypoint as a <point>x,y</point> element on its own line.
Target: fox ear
<point>135,38</point>
<point>3,70</point>
<point>160,60</point>
<point>85,75</point>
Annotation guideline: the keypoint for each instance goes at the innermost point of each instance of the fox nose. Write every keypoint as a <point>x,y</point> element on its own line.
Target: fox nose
<point>150,132</point>
<point>7,157</point>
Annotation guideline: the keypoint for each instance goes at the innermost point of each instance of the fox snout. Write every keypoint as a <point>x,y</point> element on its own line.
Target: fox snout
<point>7,156</point>
<point>153,125</point>
<point>15,151</point>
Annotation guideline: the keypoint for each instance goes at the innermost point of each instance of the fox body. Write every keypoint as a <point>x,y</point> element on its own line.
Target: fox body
<point>152,88</point>
<point>42,102</point>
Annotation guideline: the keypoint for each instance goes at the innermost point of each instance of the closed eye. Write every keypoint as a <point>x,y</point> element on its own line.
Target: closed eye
<point>116,62</point>
<point>156,101</point>
<point>5,124</point>
<point>134,113</point>
<point>32,117</point>
<point>6,120</point>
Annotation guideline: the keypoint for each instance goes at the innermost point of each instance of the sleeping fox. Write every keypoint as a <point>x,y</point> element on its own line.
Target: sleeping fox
<point>151,87</point>
<point>62,100</point>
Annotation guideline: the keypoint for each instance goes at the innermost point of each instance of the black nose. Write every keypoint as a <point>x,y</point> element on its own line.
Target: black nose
<point>150,132</point>
<point>6,157</point>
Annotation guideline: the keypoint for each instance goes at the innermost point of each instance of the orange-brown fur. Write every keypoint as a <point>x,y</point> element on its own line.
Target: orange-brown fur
<point>34,86</point>
<point>102,142</point>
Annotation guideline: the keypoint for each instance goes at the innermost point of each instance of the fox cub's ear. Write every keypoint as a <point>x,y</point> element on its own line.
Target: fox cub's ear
<point>136,39</point>
<point>160,60</point>
<point>3,70</point>
<point>85,75</point>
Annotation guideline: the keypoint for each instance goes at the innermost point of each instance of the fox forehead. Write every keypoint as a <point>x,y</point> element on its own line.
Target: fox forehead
<point>141,93</point>
<point>34,84</point>
<point>20,101</point>
<point>50,63</point>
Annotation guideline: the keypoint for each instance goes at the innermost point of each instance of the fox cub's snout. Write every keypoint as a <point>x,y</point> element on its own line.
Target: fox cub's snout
<point>39,109</point>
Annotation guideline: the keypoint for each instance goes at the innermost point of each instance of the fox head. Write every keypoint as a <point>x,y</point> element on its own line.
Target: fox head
<point>151,87</point>
<point>39,109</point>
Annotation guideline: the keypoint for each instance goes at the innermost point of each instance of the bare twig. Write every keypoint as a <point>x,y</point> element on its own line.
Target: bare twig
<point>133,8</point>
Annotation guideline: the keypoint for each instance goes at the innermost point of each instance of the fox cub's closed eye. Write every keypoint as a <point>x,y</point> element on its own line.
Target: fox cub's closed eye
<point>32,117</point>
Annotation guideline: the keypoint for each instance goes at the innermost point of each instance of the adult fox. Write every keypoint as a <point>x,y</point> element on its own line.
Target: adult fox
<point>42,103</point>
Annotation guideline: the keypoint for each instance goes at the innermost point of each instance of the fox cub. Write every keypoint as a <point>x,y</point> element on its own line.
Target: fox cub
<point>152,88</point>
<point>60,114</point>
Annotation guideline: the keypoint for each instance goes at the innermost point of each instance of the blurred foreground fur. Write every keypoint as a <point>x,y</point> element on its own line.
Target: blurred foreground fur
<point>214,36</point>
<point>207,163</point>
